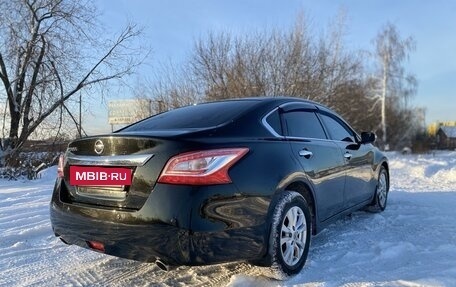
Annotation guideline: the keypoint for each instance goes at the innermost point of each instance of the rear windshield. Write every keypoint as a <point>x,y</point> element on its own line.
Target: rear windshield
<point>198,116</point>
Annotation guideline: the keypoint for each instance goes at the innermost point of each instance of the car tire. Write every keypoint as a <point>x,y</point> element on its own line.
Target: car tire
<point>290,234</point>
<point>378,204</point>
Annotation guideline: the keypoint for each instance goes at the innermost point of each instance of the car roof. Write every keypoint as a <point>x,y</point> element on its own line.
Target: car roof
<point>270,99</point>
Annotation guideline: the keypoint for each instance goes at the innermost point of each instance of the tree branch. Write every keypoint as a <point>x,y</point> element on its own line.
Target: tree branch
<point>32,86</point>
<point>125,35</point>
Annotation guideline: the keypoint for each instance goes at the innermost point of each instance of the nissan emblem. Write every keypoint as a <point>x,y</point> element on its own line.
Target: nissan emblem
<point>99,147</point>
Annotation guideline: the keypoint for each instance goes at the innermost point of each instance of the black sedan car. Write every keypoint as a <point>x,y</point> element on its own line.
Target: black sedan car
<point>245,179</point>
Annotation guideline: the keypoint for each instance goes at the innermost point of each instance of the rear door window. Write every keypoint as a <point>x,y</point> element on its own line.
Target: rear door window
<point>303,124</point>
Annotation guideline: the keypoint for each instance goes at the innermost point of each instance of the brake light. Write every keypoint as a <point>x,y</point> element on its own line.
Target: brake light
<point>60,166</point>
<point>201,167</point>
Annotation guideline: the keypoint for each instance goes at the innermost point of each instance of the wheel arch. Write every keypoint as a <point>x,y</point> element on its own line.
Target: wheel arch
<point>298,183</point>
<point>304,189</point>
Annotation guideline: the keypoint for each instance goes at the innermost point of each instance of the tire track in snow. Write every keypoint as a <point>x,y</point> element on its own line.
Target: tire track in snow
<point>124,271</point>
<point>61,268</point>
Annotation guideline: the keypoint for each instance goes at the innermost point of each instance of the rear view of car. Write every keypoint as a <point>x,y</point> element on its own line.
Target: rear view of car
<point>137,193</point>
<point>217,182</point>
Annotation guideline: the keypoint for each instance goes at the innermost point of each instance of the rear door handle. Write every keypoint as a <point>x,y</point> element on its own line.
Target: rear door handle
<point>348,155</point>
<point>306,153</point>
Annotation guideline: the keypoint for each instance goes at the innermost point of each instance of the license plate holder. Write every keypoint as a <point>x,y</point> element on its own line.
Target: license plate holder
<point>99,176</point>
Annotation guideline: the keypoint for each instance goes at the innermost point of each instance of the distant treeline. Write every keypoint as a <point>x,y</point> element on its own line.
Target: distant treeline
<point>298,63</point>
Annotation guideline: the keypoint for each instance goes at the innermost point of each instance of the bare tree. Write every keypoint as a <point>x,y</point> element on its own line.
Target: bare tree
<point>50,50</point>
<point>274,63</point>
<point>169,87</point>
<point>391,51</point>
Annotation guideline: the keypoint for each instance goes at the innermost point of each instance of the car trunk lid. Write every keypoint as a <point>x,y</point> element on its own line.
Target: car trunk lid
<point>143,157</point>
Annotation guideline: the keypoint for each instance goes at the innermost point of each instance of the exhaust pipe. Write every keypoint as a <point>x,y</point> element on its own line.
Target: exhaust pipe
<point>162,265</point>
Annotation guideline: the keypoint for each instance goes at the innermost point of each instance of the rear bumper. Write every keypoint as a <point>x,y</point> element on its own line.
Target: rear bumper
<point>179,225</point>
<point>138,242</point>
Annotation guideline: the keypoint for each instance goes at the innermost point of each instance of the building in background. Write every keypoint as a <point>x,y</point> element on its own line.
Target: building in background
<point>433,128</point>
<point>446,137</point>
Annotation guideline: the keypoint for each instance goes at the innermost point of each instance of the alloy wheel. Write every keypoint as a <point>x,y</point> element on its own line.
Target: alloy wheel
<point>293,235</point>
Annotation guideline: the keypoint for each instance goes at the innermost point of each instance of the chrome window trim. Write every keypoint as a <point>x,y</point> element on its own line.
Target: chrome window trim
<point>268,126</point>
<point>275,134</point>
<point>315,139</point>
<point>115,160</point>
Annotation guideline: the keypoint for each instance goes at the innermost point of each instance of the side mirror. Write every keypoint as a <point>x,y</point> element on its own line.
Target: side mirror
<point>367,137</point>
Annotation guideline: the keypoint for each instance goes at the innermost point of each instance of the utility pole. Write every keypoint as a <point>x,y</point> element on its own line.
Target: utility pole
<point>80,116</point>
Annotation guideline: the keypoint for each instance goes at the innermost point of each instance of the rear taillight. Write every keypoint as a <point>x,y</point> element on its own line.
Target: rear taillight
<point>60,166</point>
<point>201,167</point>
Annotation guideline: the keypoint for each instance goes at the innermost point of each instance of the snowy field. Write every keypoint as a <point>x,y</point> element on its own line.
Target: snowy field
<point>412,243</point>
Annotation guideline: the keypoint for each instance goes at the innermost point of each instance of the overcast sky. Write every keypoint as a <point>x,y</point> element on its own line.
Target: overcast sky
<point>171,28</point>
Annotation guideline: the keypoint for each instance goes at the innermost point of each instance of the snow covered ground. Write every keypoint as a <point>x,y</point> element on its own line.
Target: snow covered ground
<point>412,243</point>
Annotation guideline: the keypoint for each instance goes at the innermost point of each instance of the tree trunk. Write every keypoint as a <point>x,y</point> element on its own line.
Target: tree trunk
<point>15,116</point>
<point>383,99</point>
